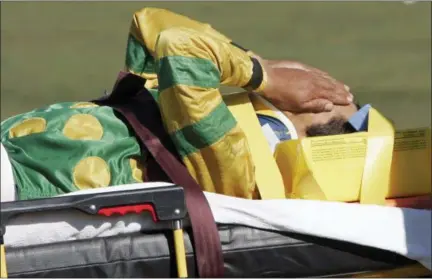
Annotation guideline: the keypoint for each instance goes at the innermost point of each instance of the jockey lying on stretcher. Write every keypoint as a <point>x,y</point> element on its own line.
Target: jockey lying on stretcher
<point>70,146</point>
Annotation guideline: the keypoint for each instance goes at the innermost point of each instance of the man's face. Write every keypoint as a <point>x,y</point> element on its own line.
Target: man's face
<point>324,123</point>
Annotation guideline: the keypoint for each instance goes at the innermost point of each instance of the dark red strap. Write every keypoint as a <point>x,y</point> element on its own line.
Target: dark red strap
<point>142,114</point>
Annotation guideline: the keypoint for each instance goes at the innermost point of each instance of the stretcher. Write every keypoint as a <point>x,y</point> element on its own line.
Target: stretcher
<point>153,250</point>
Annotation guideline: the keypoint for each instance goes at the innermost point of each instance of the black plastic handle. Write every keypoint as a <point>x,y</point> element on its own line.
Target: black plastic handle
<point>166,203</point>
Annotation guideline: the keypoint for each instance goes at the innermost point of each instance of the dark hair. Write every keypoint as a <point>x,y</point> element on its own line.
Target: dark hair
<point>336,126</point>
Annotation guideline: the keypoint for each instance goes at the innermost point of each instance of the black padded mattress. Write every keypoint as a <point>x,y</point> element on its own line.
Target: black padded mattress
<point>248,252</point>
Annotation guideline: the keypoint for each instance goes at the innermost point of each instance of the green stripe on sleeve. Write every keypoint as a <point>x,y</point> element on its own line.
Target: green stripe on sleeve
<point>189,71</point>
<point>138,59</point>
<point>205,132</point>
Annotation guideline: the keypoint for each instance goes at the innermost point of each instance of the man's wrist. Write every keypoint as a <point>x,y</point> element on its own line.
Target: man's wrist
<point>258,80</point>
<point>263,84</point>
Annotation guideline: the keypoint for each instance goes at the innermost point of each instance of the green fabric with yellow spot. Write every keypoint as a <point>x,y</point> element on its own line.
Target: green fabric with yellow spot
<point>70,146</point>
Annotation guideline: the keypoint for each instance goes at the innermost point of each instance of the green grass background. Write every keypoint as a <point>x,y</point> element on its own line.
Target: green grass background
<point>63,51</point>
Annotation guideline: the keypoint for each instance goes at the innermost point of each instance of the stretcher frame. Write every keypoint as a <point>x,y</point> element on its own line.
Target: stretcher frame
<point>165,204</point>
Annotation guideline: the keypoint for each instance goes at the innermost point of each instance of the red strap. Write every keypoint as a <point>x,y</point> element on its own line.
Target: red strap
<point>142,114</point>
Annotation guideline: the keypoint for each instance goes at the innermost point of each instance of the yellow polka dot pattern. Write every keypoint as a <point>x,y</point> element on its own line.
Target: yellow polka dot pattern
<point>27,127</point>
<point>83,127</point>
<point>91,172</point>
<point>84,105</point>
<point>138,169</point>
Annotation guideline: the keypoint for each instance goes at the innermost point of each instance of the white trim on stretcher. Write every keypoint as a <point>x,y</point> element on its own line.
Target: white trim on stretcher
<point>8,190</point>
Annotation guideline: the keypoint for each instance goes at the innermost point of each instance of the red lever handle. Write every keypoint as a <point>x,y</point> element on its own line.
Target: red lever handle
<point>123,210</point>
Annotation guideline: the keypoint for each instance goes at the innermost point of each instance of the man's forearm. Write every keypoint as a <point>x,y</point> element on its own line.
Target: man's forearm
<point>191,66</point>
<point>145,28</point>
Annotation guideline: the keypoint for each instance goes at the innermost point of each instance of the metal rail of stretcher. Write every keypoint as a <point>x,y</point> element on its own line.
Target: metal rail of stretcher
<point>165,204</point>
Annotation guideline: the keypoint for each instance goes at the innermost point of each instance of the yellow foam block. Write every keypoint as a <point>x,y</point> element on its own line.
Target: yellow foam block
<point>411,164</point>
<point>367,166</point>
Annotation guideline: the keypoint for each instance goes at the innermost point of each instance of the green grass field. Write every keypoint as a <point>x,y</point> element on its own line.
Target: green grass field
<point>54,51</point>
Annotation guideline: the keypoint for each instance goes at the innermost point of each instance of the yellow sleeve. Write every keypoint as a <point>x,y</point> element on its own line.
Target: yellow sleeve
<point>145,28</point>
<point>190,66</point>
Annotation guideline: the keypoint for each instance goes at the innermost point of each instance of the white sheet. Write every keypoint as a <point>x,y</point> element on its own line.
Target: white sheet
<point>7,182</point>
<point>403,231</point>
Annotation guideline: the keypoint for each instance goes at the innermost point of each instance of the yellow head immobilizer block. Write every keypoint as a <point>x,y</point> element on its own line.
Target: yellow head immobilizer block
<point>366,166</point>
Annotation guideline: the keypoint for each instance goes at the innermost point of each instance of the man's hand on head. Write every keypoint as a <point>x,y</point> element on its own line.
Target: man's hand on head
<point>295,87</point>
<point>297,65</point>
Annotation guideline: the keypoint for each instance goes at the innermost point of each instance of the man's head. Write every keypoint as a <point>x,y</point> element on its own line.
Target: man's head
<point>330,122</point>
<point>334,122</point>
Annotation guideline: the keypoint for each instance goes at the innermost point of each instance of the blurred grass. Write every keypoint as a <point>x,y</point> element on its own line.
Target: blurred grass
<point>63,51</point>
